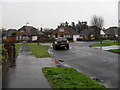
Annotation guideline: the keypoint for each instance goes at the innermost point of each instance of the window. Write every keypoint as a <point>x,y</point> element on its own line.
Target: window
<point>4,37</point>
<point>24,37</point>
<point>67,36</point>
<point>54,36</point>
<point>20,37</point>
<point>16,37</point>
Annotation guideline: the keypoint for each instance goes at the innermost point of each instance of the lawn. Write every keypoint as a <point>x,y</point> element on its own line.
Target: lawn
<point>39,50</point>
<point>0,46</point>
<point>105,44</point>
<point>65,77</point>
<point>17,48</point>
<point>115,50</point>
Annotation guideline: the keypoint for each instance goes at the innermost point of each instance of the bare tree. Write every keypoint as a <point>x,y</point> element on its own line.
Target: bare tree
<point>97,21</point>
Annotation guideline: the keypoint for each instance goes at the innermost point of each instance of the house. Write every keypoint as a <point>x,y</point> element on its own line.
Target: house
<point>65,32</point>
<point>112,31</point>
<point>11,32</point>
<point>31,34</point>
<point>91,33</point>
<point>9,35</point>
<point>103,34</point>
<point>4,35</point>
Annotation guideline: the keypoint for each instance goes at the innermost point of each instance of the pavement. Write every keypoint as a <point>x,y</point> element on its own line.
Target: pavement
<point>28,71</point>
<point>0,77</point>
<point>108,47</point>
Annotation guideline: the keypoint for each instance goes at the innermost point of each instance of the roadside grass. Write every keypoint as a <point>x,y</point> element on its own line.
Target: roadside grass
<point>95,40</point>
<point>39,50</point>
<point>114,50</point>
<point>65,77</point>
<point>105,44</point>
<point>17,48</point>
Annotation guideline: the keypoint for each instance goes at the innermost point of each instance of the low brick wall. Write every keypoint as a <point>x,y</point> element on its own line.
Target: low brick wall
<point>5,67</point>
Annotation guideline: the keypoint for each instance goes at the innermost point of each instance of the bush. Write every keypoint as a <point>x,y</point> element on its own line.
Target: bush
<point>51,39</point>
<point>3,56</point>
<point>80,39</point>
<point>70,39</point>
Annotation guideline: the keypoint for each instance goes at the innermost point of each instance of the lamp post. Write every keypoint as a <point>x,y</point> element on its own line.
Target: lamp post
<point>26,30</point>
<point>37,37</point>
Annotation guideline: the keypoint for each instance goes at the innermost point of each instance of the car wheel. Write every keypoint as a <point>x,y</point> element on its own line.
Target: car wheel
<point>67,47</point>
<point>55,48</point>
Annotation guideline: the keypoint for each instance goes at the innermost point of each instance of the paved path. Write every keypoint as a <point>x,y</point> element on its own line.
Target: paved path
<point>0,77</point>
<point>28,71</point>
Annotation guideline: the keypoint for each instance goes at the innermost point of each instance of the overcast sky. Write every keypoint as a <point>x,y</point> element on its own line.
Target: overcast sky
<point>15,13</point>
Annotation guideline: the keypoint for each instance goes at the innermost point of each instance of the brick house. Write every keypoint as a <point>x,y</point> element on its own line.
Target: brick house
<point>91,33</point>
<point>9,35</point>
<point>112,31</point>
<point>30,34</point>
<point>65,32</point>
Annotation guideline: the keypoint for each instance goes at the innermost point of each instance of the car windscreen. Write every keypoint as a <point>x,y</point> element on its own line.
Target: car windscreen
<point>59,40</point>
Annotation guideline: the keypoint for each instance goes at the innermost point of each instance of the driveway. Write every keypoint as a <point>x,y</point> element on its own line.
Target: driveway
<point>92,62</point>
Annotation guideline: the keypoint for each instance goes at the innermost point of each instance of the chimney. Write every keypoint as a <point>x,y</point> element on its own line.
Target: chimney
<point>41,29</point>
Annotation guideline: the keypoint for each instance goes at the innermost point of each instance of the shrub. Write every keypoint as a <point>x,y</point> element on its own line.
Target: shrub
<point>51,39</point>
<point>3,55</point>
<point>70,39</point>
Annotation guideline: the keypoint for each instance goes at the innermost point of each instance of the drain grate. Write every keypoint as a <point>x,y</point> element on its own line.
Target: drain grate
<point>61,61</point>
<point>97,79</point>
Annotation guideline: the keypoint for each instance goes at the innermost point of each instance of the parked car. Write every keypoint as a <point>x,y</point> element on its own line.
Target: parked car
<point>60,43</point>
<point>24,42</point>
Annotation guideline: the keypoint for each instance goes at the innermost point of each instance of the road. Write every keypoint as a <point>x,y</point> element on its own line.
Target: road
<point>91,62</point>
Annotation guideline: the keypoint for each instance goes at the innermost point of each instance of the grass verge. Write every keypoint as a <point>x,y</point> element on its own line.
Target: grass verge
<point>65,77</point>
<point>115,51</point>
<point>17,48</point>
<point>39,50</point>
<point>105,44</point>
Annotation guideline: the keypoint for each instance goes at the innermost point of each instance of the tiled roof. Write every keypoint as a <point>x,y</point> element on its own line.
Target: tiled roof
<point>30,30</point>
<point>9,32</point>
<point>112,31</point>
<point>71,31</point>
<point>91,30</point>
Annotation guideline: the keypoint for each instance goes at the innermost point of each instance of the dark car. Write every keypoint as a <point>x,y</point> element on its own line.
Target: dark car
<point>60,43</point>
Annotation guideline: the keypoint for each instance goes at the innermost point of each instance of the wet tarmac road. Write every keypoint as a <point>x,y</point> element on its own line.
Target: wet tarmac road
<point>91,62</point>
<point>28,71</point>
